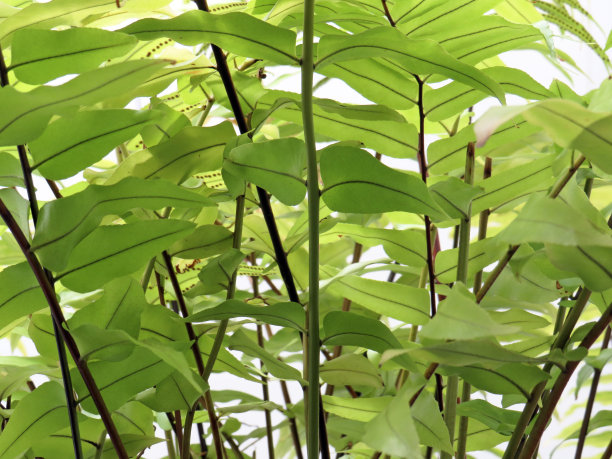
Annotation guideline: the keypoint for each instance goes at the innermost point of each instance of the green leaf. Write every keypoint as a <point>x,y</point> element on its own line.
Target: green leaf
<point>172,393</point>
<point>357,182</point>
<point>73,143</point>
<point>39,56</point>
<point>217,273</point>
<point>43,15</point>
<point>398,301</point>
<point>96,343</point>
<point>281,314</point>
<point>404,246</point>
<point>568,124</point>
<point>509,378</point>
<point>593,264</point>
<point>239,341</point>
<point>31,111</point>
<point>237,33</point>
<point>120,381</point>
<point>429,423</point>
<point>205,241</point>
<point>358,409</point>
<point>20,293</point>
<point>350,369</point>
<point>498,419</point>
<point>481,254</point>
<point>393,431</point>
<point>454,196</point>
<point>193,149</point>
<point>275,165</point>
<point>118,309</point>
<point>376,129</point>
<point>551,220</point>
<point>113,251</point>
<point>11,174</point>
<point>37,415</point>
<point>424,56</point>
<point>63,223</point>
<point>460,318</point>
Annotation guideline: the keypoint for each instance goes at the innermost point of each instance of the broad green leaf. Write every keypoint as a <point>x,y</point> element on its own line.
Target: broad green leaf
<point>48,15</point>
<point>358,409</point>
<point>460,318</point>
<point>193,149</point>
<point>393,431</point>
<point>239,341</point>
<point>404,246</point>
<point>454,196</point>
<point>63,223</point>
<point>95,343</point>
<point>398,301</point>
<point>237,33</point>
<point>567,123</point>
<point>481,254</point>
<point>376,129</point>
<point>38,414</point>
<point>275,165</point>
<point>519,11</point>
<point>461,353</point>
<point>498,419</point>
<point>113,251</point>
<point>19,208</point>
<point>350,329</point>
<point>510,185</point>
<point>172,393</point>
<point>120,381</point>
<point>39,56</point>
<point>509,378</point>
<point>281,314</point>
<point>118,309</point>
<point>424,56</point>
<point>11,174</point>
<point>357,182</point>
<point>217,273</point>
<point>30,111</point>
<point>73,143</point>
<point>134,444</point>
<point>20,293</point>
<point>429,423</point>
<point>552,221</point>
<point>205,241</point>
<point>592,264</point>
<point>350,369</point>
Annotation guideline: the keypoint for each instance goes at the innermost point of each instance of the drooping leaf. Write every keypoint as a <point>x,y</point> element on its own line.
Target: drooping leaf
<point>217,273</point>
<point>11,174</point>
<point>350,369</point>
<point>362,409</point>
<point>429,423</point>
<point>239,341</point>
<point>398,301</point>
<point>194,149</point>
<point>393,431</point>
<point>276,165</point>
<point>423,57</point>
<point>593,264</point>
<point>32,110</point>
<point>20,293</point>
<point>501,420</point>
<point>281,314</point>
<point>39,56</point>
<point>38,414</point>
<point>113,251</point>
<point>481,254</point>
<point>459,318</point>
<point>356,182</point>
<point>205,241</point>
<point>73,143</point>
<point>238,33</point>
<point>65,222</point>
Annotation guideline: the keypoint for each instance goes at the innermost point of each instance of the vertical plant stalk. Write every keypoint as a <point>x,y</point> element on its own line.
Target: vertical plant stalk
<point>584,428</point>
<point>61,349</point>
<point>462,272</point>
<point>550,403</point>
<point>60,321</point>
<point>312,334</point>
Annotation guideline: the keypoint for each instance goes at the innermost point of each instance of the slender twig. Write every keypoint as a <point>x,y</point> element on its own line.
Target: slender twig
<point>388,13</point>
<point>60,321</point>
<point>61,349</point>
<point>584,428</point>
<point>550,403</point>
<point>483,221</point>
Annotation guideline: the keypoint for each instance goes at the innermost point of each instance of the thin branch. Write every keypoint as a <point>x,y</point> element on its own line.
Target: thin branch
<point>60,321</point>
